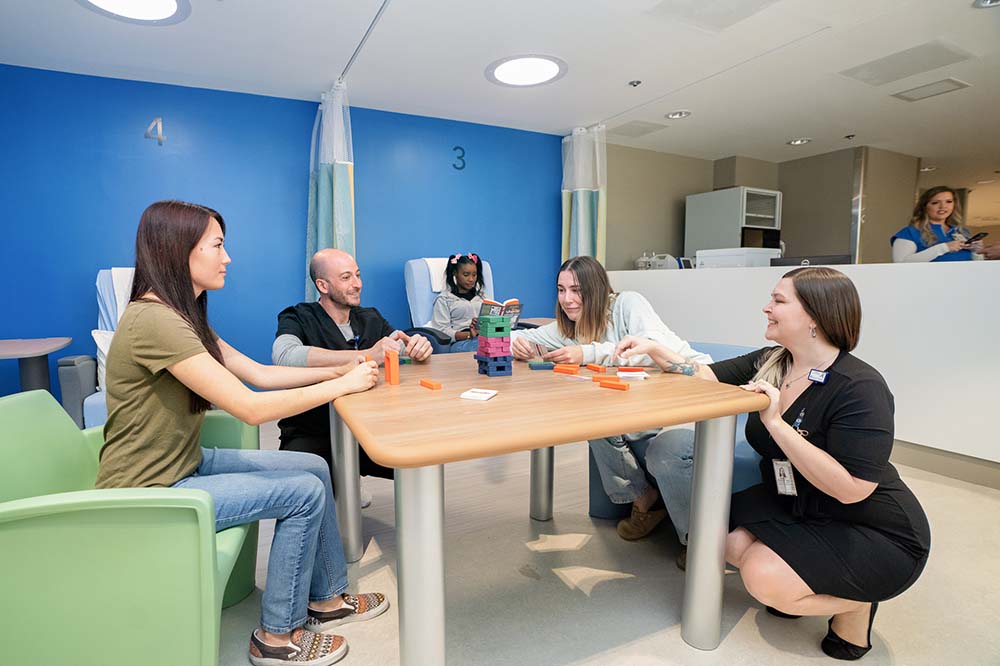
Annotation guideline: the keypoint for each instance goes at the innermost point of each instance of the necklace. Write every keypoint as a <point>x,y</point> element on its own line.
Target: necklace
<point>789,383</point>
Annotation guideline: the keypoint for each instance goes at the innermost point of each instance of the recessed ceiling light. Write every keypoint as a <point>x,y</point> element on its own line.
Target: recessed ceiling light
<point>144,12</point>
<point>799,142</point>
<point>526,70</point>
<point>986,182</point>
<point>677,115</point>
<point>635,83</point>
<point>986,4</point>
<point>927,169</point>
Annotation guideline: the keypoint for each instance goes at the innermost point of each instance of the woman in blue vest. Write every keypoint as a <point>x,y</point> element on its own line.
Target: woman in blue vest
<point>935,232</point>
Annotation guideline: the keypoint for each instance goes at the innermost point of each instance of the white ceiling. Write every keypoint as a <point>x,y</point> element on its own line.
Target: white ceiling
<point>770,76</point>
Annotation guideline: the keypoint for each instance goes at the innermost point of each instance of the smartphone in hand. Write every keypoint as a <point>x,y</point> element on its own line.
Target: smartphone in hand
<point>978,237</point>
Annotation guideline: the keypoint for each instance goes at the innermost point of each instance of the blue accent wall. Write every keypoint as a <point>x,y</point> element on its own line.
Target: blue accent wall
<point>76,174</point>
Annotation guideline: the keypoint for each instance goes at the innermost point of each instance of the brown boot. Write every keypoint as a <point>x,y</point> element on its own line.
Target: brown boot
<point>640,523</point>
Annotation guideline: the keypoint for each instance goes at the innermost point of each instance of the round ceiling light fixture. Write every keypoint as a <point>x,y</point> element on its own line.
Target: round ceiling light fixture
<point>801,141</point>
<point>141,12</point>
<point>524,71</point>
<point>678,114</point>
<point>986,4</point>
<point>927,169</point>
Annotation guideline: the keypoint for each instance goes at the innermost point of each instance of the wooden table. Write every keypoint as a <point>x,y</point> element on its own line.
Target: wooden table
<point>33,359</point>
<point>416,431</point>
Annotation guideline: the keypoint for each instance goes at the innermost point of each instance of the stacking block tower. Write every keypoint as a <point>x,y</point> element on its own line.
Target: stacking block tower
<point>494,356</point>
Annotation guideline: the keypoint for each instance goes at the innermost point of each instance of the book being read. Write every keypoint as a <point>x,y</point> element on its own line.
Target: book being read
<point>509,308</point>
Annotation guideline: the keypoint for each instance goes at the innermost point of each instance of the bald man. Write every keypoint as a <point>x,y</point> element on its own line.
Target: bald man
<point>334,330</point>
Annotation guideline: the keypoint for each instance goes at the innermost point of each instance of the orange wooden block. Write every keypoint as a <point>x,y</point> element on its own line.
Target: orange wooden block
<point>601,378</point>
<point>593,367</point>
<point>431,384</point>
<point>618,386</point>
<point>567,369</point>
<point>631,369</point>
<point>392,366</point>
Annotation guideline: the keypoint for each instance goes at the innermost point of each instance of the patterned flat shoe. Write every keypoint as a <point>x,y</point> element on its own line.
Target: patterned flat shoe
<point>640,523</point>
<point>304,648</point>
<point>355,609</point>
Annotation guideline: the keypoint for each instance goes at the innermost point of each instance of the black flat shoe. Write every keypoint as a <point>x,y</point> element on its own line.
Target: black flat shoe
<point>836,647</point>
<point>777,613</point>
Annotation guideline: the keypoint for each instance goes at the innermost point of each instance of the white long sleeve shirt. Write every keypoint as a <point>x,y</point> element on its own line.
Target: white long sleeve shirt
<point>631,314</point>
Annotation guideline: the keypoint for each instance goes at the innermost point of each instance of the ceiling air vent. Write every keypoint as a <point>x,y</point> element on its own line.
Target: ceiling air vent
<point>931,89</point>
<point>917,60</point>
<point>636,128</point>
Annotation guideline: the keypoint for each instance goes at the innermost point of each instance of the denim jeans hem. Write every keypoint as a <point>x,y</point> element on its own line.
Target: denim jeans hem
<point>275,630</point>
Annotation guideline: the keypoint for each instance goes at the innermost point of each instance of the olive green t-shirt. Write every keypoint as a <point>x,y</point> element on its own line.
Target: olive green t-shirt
<point>151,438</point>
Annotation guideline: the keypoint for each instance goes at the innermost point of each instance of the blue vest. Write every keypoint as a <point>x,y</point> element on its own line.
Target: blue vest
<point>911,233</point>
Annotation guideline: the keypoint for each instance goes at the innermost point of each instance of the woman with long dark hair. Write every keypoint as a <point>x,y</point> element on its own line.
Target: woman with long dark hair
<point>832,530</point>
<point>166,366</point>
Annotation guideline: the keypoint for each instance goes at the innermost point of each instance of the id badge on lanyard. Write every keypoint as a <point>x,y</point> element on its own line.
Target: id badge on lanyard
<point>784,476</point>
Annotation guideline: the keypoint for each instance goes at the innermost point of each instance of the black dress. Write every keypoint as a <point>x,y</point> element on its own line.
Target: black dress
<point>867,551</point>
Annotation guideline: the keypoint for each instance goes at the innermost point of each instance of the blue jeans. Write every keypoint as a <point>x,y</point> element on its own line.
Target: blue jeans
<point>622,476</point>
<point>470,345</point>
<point>294,488</point>
<point>669,457</point>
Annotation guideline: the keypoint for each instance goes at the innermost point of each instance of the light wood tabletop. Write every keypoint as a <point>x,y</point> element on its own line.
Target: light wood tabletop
<point>407,425</point>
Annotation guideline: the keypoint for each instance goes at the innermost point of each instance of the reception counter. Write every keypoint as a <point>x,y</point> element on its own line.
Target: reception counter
<point>932,330</point>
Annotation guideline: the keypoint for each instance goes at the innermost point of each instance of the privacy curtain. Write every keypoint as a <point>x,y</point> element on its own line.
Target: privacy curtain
<point>584,193</point>
<point>331,180</point>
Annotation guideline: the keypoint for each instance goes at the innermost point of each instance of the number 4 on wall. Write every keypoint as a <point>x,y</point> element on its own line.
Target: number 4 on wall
<point>157,124</point>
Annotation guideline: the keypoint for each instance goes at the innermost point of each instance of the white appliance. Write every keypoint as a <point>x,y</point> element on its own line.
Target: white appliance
<point>736,257</point>
<point>659,261</point>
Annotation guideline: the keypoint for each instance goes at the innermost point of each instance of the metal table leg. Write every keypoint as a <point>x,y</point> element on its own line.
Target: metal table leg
<point>541,483</point>
<point>34,372</point>
<point>347,485</point>
<point>701,616</point>
<point>420,567</point>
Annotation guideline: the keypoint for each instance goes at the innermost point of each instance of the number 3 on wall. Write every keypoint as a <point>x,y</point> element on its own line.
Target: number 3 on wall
<point>157,124</point>
<point>460,156</point>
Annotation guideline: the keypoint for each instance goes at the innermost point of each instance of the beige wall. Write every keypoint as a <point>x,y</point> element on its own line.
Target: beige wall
<point>890,189</point>
<point>816,203</point>
<point>646,192</point>
<point>746,171</point>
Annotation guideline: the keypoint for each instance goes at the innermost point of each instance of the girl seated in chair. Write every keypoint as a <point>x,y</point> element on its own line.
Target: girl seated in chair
<point>456,309</point>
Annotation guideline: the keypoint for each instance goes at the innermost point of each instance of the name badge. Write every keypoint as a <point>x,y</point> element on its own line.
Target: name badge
<point>818,376</point>
<point>784,477</point>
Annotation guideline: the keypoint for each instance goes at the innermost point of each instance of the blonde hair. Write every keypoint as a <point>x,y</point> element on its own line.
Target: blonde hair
<point>830,298</point>
<point>919,217</point>
<point>596,294</point>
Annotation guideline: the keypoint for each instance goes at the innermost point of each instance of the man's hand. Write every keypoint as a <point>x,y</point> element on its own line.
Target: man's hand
<point>417,346</point>
<point>377,350</point>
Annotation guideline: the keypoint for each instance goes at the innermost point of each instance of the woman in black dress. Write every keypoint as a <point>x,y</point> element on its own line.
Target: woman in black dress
<point>832,530</point>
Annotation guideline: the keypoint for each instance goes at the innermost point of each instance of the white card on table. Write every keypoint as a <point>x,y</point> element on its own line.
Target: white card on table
<point>478,394</point>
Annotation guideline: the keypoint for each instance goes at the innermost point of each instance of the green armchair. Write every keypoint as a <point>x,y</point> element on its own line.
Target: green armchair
<point>106,577</point>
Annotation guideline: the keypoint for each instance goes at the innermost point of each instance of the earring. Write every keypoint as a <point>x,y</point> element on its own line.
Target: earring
<point>812,331</point>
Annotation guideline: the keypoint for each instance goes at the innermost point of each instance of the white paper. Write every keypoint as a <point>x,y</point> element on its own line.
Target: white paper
<point>478,394</point>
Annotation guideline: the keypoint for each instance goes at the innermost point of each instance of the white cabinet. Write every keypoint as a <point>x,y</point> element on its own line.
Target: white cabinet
<point>731,218</point>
